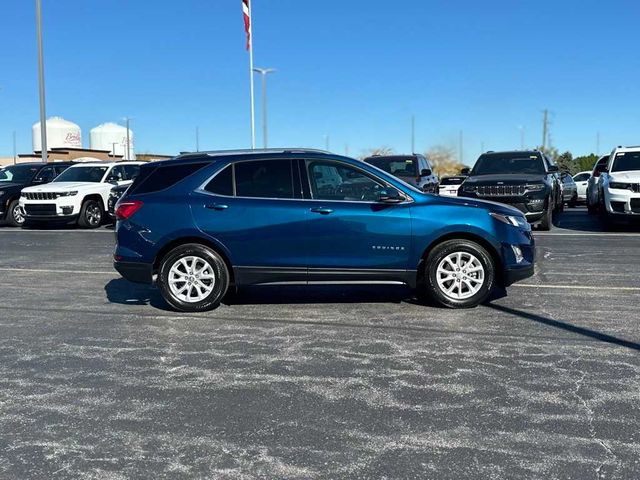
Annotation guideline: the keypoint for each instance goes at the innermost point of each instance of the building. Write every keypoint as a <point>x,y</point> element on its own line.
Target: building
<point>69,154</point>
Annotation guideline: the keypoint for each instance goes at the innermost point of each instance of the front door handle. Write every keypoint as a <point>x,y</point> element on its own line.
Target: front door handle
<point>216,206</point>
<point>322,210</point>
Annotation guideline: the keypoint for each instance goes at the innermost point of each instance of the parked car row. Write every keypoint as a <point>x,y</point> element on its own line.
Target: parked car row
<point>36,193</point>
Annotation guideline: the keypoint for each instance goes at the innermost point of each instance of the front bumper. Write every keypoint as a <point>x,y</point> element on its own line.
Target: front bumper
<point>49,210</point>
<point>622,202</point>
<point>515,274</point>
<point>136,272</point>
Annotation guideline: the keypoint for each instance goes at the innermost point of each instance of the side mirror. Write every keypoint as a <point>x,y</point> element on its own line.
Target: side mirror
<point>425,172</point>
<point>389,195</point>
<point>465,171</point>
<point>553,169</point>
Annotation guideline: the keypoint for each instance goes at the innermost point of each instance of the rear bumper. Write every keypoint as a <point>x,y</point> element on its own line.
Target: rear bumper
<point>136,272</point>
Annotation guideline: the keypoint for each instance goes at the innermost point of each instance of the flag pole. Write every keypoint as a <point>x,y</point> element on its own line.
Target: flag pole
<point>253,111</point>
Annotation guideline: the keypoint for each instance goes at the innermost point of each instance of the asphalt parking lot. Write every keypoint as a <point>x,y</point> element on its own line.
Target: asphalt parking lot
<point>100,380</point>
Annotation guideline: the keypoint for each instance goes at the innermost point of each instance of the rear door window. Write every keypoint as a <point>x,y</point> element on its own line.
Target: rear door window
<point>222,183</point>
<point>264,179</point>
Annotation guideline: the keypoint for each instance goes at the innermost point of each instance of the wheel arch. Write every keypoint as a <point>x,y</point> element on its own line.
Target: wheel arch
<point>473,237</point>
<point>95,196</point>
<point>176,242</point>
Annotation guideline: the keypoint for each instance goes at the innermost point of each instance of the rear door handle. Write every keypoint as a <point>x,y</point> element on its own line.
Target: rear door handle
<point>216,206</point>
<point>322,210</point>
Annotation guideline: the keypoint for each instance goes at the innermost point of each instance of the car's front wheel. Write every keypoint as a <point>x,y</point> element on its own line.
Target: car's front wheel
<point>193,278</point>
<point>91,214</point>
<point>15,215</point>
<point>459,274</point>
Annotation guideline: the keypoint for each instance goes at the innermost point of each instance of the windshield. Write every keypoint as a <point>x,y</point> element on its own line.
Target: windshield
<point>626,161</point>
<point>508,163</point>
<point>397,166</point>
<point>452,180</point>
<point>82,174</point>
<point>18,173</point>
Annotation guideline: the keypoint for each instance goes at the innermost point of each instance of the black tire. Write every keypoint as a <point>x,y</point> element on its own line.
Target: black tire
<point>574,201</point>
<point>15,216</point>
<point>560,208</point>
<point>91,214</point>
<point>433,291</point>
<point>547,220</point>
<point>592,209</point>
<point>219,282</point>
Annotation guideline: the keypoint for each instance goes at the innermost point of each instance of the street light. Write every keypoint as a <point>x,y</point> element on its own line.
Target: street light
<point>43,120</point>
<point>263,73</point>
<point>521,128</point>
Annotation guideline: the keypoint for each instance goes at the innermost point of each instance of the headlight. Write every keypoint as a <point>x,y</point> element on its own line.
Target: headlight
<point>535,187</point>
<point>67,194</point>
<point>620,185</point>
<point>515,221</point>
<point>469,188</point>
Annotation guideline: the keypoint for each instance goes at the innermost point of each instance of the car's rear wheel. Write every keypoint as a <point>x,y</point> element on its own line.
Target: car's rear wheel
<point>458,274</point>
<point>574,201</point>
<point>547,219</point>
<point>15,215</point>
<point>91,214</point>
<point>193,278</point>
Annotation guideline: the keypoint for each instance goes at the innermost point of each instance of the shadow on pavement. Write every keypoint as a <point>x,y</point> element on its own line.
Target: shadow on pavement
<point>128,293</point>
<point>579,220</point>
<point>124,292</point>
<point>603,337</point>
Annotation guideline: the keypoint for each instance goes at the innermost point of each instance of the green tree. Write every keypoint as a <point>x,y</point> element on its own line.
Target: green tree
<point>565,162</point>
<point>585,162</point>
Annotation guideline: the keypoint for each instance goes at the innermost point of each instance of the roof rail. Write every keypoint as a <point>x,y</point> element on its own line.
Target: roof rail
<point>249,151</point>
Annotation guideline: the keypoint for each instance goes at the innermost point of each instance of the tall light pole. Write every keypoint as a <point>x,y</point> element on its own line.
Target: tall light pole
<point>326,142</point>
<point>197,139</point>
<point>461,141</point>
<point>413,134</point>
<point>128,152</point>
<point>15,156</point>
<point>43,116</point>
<point>263,73</point>
<point>521,128</point>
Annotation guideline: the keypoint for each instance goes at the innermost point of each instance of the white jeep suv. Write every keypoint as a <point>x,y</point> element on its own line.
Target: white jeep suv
<point>620,184</point>
<point>79,193</point>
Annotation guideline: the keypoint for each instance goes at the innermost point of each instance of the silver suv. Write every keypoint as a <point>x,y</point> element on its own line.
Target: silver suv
<point>413,169</point>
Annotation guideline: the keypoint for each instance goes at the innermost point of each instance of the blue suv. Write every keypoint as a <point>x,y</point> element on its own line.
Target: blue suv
<point>201,223</point>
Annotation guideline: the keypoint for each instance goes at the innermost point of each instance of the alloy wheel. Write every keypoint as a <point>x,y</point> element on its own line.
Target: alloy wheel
<point>460,275</point>
<point>94,215</point>
<point>18,215</point>
<point>191,279</point>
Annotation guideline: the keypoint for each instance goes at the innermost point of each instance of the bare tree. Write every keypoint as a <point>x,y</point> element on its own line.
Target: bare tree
<point>377,151</point>
<point>444,160</point>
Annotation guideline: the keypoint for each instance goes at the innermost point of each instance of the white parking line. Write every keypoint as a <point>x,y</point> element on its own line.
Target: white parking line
<point>20,230</point>
<point>586,234</point>
<point>42,270</point>
<point>576,287</point>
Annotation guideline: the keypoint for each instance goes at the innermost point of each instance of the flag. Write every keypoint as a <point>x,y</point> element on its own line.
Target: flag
<point>246,12</point>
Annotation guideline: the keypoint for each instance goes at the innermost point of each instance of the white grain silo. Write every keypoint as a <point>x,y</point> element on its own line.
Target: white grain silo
<point>112,137</point>
<point>60,134</point>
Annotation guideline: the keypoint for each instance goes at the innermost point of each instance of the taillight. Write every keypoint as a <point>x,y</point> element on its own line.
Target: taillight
<point>126,209</point>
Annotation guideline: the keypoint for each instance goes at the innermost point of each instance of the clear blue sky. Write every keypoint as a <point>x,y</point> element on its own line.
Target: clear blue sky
<point>355,70</point>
